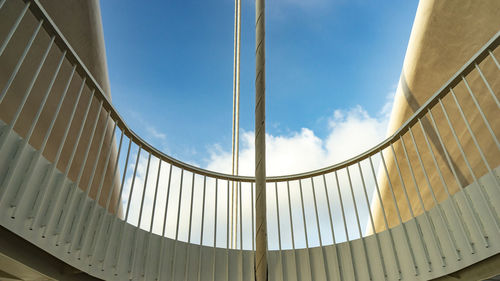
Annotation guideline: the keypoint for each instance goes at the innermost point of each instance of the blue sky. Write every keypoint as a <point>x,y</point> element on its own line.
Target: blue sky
<point>170,67</point>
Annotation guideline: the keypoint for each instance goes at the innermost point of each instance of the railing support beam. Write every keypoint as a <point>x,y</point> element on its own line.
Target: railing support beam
<point>260,143</point>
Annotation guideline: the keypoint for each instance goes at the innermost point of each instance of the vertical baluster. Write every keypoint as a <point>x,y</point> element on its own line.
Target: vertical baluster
<point>111,225</point>
<point>69,206</point>
<point>189,229</point>
<point>7,182</point>
<point>494,59</point>
<point>279,228</point>
<point>87,237</point>
<point>381,256</point>
<point>162,250</point>
<point>61,187</point>
<point>172,277</point>
<point>476,103</point>
<point>345,228</point>
<point>407,239</point>
<point>490,90</point>
<point>147,254</point>
<point>215,227</point>
<point>253,223</point>
<point>452,199</point>
<point>305,229</point>
<point>474,139</point>
<point>36,210</point>
<point>403,187</point>
<point>14,27</point>
<point>477,221</point>
<point>24,143</point>
<point>132,259</point>
<point>338,263</point>
<point>21,192</point>
<point>369,270</point>
<point>114,218</point>
<point>389,230</point>
<point>82,211</point>
<point>474,177</point>
<point>228,216</point>
<point>439,207</point>
<point>291,226</point>
<point>319,230</point>
<point>202,225</point>
<point>1,3</point>
<point>119,243</point>
<point>241,229</point>
<point>27,93</point>
<point>426,214</point>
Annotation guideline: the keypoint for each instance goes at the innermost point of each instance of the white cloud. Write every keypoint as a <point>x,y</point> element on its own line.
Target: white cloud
<point>156,134</point>
<point>351,132</point>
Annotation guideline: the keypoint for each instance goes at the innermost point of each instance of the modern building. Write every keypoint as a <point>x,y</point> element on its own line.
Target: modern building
<point>82,197</point>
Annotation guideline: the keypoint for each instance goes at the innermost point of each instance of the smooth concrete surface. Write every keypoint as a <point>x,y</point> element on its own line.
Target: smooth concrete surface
<point>21,260</point>
<point>445,35</point>
<point>485,270</point>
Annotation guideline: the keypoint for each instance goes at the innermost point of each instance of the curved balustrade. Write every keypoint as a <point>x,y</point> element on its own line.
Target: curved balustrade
<point>421,204</point>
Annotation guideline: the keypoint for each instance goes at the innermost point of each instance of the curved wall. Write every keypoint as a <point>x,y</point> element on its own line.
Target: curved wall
<point>80,22</point>
<point>445,35</point>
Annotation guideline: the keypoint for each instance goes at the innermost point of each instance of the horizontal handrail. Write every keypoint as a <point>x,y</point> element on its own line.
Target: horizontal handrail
<point>63,44</point>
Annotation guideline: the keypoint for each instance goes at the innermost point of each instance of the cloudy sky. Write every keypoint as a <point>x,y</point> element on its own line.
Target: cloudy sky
<point>332,67</point>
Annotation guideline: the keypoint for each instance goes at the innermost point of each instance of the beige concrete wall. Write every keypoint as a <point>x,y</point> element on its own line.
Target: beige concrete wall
<point>80,22</point>
<point>445,35</point>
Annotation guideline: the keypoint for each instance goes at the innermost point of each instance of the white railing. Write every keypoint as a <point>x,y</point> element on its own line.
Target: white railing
<point>397,189</point>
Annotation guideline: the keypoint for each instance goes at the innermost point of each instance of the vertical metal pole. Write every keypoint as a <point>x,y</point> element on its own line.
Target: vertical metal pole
<point>236,118</point>
<point>261,273</point>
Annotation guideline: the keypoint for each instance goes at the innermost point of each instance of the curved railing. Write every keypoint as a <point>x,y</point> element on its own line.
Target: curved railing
<point>420,204</point>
